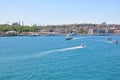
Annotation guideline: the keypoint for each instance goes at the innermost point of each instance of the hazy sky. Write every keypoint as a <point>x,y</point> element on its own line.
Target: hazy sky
<point>60,11</point>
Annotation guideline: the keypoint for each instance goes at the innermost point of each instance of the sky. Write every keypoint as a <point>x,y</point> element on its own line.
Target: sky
<point>53,12</point>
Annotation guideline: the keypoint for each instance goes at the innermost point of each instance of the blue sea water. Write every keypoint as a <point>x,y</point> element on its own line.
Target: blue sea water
<point>54,58</point>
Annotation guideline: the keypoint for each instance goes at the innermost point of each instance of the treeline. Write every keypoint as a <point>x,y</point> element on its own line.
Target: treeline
<point>18,28</point>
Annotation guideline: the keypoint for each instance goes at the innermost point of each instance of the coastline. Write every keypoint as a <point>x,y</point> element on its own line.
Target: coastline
<point>60,35</point>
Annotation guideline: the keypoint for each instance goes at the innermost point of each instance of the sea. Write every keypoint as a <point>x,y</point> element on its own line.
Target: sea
<point>54,58</point>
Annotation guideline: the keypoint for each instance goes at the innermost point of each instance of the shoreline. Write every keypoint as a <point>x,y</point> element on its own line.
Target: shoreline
<point>61,35</point>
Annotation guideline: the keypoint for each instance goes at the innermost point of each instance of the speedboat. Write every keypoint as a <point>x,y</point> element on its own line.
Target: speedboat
<point>114,41</point>
<point>82,45</point>
<point>68,37</point>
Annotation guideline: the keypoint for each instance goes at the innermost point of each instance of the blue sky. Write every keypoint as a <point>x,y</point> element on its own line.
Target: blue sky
<point>44,12</point>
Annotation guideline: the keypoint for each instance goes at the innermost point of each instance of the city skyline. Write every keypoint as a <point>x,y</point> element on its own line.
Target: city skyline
<point>53,12</point>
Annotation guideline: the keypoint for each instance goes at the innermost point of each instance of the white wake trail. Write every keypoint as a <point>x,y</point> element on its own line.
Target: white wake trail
<point>52,51</point>
<point>41,54</point>
<point>108,41</point>
<point>76,38</point>
<point>105,41</point>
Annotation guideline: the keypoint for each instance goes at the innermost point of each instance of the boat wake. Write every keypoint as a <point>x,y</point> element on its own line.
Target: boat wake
<point>105,41</point>
<point>76,38</point>
<point>41,54</point>
<point>57,50</point>
<point>108,42</point>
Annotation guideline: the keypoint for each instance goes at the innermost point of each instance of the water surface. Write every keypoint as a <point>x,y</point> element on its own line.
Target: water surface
<point>54,58</point>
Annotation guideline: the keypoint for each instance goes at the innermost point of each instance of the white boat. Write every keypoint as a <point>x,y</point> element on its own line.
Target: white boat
<point>82,45</point>
<point>114,41</point>
<point>68,37</point>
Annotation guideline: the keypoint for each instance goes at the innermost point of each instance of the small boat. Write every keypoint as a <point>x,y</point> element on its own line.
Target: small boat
<point>82,45</point>
<point>68,37</point>
<point>115,42</point>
